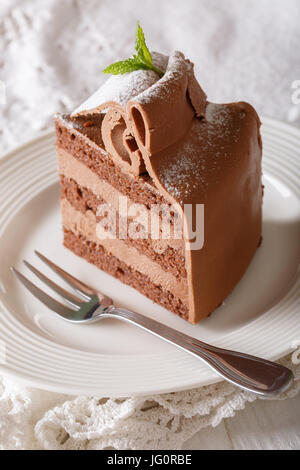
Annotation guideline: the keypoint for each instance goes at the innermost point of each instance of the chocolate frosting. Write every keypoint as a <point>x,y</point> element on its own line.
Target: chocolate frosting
<point>155,119</point>
<point>195,152</point>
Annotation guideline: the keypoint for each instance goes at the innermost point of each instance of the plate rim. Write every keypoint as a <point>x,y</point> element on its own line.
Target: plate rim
<point>43,384</point>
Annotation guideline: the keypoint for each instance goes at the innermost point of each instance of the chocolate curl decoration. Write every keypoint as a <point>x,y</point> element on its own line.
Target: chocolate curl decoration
<point>162,114</point>
<point>118,139</point>
<point>155,119</point>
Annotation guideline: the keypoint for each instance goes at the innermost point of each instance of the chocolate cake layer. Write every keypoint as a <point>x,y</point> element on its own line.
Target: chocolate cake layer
<point>73,169</point>
<point>140,190</point>
<point>171,260</point>
<point>97,255</point>
<point>86,225</point>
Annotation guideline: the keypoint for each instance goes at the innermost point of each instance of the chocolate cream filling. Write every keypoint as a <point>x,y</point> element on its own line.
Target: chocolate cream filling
<point>104,260</point>
<point>86,226</point>
<point>72,169</point>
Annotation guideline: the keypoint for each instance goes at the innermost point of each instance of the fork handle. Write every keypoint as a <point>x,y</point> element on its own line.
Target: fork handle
<point>248,372</point>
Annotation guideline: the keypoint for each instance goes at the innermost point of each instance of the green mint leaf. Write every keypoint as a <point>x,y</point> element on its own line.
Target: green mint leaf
<point>141,47</point>
<point>125,66</point>
<point>141,60</point>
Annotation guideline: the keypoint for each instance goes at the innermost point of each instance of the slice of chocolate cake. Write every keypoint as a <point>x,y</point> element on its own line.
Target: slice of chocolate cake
<point>162,189</point>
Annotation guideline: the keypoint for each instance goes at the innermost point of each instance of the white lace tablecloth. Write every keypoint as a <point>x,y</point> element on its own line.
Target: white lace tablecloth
<point>51,56</point>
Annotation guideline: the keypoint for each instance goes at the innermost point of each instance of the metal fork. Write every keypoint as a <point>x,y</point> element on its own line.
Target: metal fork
<point>88,305</point>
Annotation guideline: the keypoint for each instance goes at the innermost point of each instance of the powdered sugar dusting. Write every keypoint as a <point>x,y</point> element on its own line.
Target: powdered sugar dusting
<point>123,88</point>
<point>177,177</point>
<point>176,67</point>
<point>160,60</point>
<point>198,159</point>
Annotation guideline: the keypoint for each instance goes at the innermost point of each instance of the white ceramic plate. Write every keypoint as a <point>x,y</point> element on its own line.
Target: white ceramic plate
<point>111,358</point>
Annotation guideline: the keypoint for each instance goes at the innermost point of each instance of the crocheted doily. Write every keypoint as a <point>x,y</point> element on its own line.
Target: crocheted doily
<point>34,419</point>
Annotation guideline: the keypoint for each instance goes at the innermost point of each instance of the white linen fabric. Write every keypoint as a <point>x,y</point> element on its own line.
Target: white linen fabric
<point>33,419</point>
<point>52,53</point>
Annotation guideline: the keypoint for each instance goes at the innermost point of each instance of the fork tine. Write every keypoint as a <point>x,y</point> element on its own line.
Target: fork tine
<point>42,296</point>
<point>75,283</point>
<point>72,299</point>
